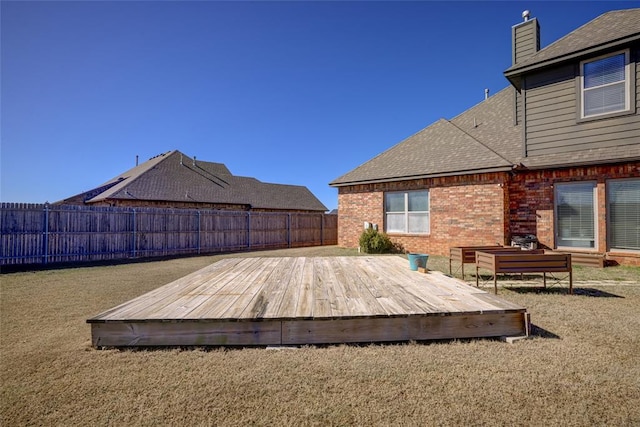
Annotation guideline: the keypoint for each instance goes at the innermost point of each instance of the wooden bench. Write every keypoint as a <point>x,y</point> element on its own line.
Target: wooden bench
<point>524,262</point>
<point>467,254</point>
<point>587,260</point>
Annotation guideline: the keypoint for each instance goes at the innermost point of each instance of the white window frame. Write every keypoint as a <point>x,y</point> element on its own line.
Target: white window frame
<point>610,216</point>
<point>627,86</point>
<point>559,186</point>
<point>406,212</point>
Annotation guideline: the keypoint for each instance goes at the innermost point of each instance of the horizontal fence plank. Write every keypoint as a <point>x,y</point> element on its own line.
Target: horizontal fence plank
<point>46,234</point>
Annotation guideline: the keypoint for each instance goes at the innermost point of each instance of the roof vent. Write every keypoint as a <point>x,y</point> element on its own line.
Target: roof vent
<point>486,94</point>
<point>525,15</point>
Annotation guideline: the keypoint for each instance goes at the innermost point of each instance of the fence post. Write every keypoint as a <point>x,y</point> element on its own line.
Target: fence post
<point>45,244</point>
<point>199,226</point>
<point>133,234</point>
<point>249,230</point>
<point>166,233</point>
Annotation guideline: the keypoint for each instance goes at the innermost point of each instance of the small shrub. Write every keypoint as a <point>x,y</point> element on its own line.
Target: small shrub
<point>373,242</point>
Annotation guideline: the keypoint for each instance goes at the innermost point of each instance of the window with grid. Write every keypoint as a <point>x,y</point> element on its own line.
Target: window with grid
<point>605,85</point>
<point>575,215</point>
<point>623,202</point>
<point>407,212</point>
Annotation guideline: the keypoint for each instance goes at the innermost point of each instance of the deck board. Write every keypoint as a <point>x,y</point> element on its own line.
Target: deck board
<point>289,300</point>
<point>192,298</point>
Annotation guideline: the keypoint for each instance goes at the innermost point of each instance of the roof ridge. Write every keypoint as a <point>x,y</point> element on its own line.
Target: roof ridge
<point>479,103</point>
<point>530,61</point>
<point>480,142</point>
<point>123,181</point>
<point>206,175</point>
<point>195,167</point>
<point>588,23</point>
<point>392,147</point>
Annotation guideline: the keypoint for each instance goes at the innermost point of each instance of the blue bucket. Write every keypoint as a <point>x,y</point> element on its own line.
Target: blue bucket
<point>417,260</point>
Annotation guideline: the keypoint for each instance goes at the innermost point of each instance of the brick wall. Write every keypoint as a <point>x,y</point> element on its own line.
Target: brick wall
<point>531,206</point>
<point>482,209</point>
<point>464,210</point>
<point>356,205</point>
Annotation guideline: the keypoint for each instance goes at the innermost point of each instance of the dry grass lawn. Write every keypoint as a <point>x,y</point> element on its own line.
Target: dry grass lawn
<point>582,367</point>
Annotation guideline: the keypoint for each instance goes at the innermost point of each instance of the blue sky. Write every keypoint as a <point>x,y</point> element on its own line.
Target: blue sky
<point>286,92</point>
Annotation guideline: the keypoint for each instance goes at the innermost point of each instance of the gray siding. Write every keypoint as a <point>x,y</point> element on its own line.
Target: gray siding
<point>638,82</point>
<point>518,108</point>
<point>526,40</point>
<point>552,126</point>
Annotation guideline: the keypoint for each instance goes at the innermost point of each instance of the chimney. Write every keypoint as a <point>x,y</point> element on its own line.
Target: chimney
<point>525,38</point>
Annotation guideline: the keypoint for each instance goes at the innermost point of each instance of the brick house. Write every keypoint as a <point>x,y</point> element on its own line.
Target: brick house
<point>174,180</point>
<point>556,154</point>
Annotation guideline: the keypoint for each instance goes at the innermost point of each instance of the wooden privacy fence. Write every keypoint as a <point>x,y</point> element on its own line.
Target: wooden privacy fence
<point>44,234</point>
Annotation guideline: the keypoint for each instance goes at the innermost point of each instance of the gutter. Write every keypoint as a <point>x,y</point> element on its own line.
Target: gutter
<point>513,168</point>
<point>522,167</point>
<point>425,176</point>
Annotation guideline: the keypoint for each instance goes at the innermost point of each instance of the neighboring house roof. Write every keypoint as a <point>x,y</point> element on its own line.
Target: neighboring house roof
<point>175,177</point>
<point>606,31</point>
<point>482,139</point>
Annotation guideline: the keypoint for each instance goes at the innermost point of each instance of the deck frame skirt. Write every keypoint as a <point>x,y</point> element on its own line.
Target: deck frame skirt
<point>297,301</point>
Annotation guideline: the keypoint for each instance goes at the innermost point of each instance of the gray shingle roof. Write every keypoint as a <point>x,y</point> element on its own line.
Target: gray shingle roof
<point>482,138</point>
<point>175,177</point>
<point>621,153</point>
<point>607,30</point>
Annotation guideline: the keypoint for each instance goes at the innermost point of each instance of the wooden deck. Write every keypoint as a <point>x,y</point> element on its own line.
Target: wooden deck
<point>296,301</point>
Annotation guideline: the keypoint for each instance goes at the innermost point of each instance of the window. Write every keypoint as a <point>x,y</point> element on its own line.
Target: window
<point>407,212</point>
<point>605,85</point>
<point>575,215</point>
<point>623,201</point>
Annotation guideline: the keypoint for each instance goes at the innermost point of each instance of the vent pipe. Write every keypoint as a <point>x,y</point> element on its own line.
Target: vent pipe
<point>136,160</point>
<point>194,160</point>
<point>486,94</point>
